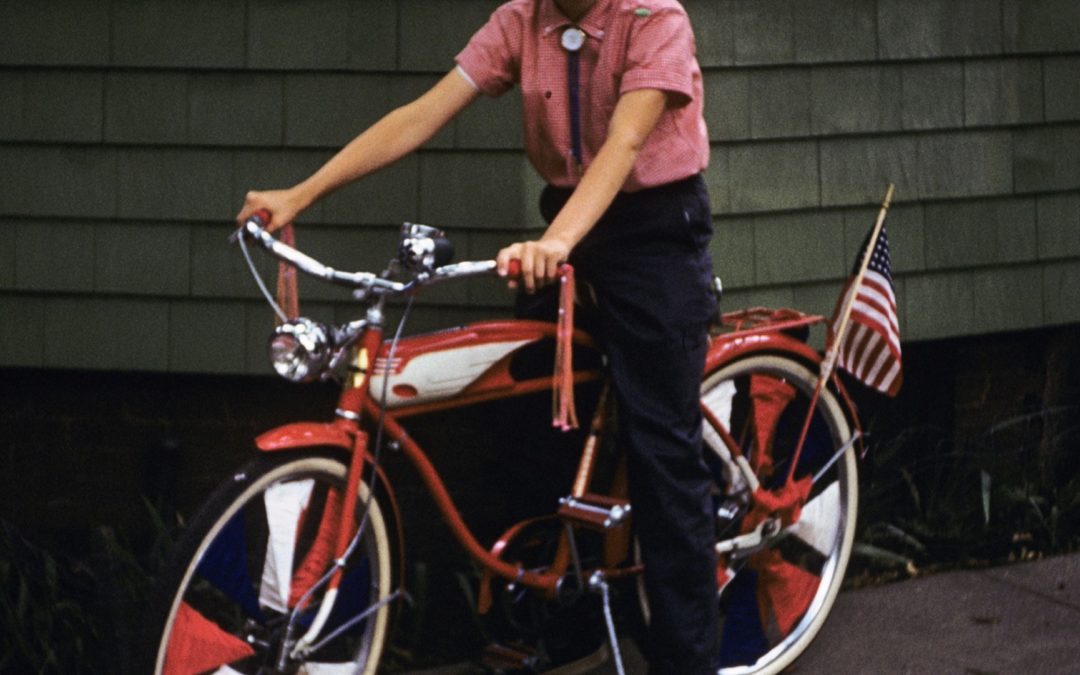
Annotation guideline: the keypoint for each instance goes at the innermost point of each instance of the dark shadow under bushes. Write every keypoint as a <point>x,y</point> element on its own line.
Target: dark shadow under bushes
<point>72,602</point>
<point>47,607</point>
<point>978,462</point>
<point>928,503</point>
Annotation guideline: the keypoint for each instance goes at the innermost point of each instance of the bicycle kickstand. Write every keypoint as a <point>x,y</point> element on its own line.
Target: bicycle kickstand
<point>599,513</point>
<point>598,584</point>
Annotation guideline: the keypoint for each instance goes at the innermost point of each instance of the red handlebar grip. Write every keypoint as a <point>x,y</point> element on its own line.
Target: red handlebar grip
<point>263,216</point>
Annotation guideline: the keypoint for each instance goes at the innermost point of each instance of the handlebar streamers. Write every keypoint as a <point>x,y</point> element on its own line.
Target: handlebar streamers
<point>564,415</point>
<point>287,295</point>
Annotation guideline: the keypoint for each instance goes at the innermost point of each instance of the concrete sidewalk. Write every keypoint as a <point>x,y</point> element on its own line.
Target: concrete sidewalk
<point>1021,618</point>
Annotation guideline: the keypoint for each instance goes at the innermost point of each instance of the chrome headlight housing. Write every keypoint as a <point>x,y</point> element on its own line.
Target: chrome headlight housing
<point>300,349</point>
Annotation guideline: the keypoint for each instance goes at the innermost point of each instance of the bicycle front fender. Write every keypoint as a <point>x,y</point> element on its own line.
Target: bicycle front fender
<point>300,435</point>
<point>304,435</point>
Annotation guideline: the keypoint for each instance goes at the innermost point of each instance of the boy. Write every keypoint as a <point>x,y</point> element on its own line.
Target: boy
<point>612,104</point>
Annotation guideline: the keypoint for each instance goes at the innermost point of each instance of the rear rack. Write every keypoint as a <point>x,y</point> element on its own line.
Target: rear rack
<point>754,320</point>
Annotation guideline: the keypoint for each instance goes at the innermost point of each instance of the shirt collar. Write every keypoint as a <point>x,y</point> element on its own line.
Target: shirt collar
<point>594,23</point>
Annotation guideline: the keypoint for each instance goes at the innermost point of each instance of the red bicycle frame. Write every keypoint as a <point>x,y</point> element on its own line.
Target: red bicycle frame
<point>482,353</point>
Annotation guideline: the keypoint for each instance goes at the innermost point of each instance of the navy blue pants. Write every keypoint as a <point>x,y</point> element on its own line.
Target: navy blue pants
<point>648,266</point>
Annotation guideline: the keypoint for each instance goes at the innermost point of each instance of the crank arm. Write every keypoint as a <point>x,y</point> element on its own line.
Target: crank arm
<point>751,542</point>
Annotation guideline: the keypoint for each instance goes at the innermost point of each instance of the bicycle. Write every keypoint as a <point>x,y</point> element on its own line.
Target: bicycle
<point>295,563</point>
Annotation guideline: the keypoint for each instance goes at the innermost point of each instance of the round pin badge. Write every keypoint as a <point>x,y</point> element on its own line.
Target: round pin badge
<point>573,38</point>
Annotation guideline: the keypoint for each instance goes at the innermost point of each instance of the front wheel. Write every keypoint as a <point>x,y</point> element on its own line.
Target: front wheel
<point>244,586</point>
<point>775,597</point>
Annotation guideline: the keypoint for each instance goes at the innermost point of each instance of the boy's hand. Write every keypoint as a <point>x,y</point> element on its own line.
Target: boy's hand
<point>283,206</point>
<point>539,262</point>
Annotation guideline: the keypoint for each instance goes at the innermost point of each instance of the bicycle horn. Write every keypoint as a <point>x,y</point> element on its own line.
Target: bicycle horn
<point>423,248</point>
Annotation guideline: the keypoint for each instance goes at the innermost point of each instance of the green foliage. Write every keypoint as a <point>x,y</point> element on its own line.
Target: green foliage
<point>43,605</point>
<point>439,596</point>
<point>1010,492</point>
<point>70,613</point>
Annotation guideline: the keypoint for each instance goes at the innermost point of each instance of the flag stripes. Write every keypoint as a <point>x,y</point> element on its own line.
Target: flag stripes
<point>871,345</point>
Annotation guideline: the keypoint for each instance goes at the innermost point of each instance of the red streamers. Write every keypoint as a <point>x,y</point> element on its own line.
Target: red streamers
<point>317,560</point>
<point>563,414</point>
<point>287,296</point>
<point>770,397</point>
<point>199,645</point>
<point>785,502</point>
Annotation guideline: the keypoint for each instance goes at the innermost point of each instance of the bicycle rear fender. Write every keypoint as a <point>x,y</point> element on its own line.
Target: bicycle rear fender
<point>727,348</point>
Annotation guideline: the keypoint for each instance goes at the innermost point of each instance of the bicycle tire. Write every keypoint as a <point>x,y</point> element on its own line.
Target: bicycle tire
<point>774,602</point>
<point>240,567</point>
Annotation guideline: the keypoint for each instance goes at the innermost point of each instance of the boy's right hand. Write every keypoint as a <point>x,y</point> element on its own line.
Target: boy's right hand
<point>283,206</point>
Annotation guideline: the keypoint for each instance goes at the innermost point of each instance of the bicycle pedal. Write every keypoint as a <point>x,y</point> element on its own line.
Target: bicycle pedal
<point>597,512</point>
<point>583,664</point>
<point>499,657</point>
<point>728,516</point>
<point>725,573</point>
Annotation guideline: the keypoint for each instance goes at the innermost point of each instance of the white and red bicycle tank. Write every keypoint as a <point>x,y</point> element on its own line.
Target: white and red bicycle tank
<point>473,359</point>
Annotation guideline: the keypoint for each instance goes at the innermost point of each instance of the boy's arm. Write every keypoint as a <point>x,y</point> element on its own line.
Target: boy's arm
<point>395,135</point>
<point>635,116</point>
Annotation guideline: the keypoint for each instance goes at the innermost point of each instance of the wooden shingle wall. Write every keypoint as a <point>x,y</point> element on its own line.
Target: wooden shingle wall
<point>130,130</point>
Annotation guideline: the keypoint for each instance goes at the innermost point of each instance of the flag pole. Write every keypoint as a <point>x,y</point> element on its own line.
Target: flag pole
<point>832,350</point>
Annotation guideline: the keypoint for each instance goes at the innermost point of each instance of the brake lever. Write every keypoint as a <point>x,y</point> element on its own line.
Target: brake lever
<point>254,223</point>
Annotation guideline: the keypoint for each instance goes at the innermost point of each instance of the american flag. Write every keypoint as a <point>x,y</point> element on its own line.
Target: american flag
<point>871,344</point>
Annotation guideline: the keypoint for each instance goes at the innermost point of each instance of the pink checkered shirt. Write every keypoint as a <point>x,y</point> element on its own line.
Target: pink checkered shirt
<point>630,44</point>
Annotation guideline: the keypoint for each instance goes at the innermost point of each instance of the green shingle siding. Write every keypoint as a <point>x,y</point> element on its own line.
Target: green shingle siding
<point>130,131</point>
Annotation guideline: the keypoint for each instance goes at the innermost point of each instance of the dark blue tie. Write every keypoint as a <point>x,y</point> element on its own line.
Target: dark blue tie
<point>572,40</point>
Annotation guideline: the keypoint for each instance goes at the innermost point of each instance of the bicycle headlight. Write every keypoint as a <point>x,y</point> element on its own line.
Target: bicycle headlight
<point>300,350</point>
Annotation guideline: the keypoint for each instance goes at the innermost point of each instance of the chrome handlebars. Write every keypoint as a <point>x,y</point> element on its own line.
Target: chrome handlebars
<point>421,252</point>
<point>252,230</point>
<point>302,350</point>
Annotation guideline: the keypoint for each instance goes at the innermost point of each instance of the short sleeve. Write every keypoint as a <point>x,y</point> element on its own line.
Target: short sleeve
<point>661,54</point>
<point>491,60</point>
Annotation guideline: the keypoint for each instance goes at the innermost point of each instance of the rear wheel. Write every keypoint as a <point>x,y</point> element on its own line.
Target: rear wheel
<point>775,598</point>
<point>235,598</point>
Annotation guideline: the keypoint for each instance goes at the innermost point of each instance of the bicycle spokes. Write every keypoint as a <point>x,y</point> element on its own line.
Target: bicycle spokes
<point>225,567</point>
<point>286,505</point>
<point>819,523</point>
<point>782,540</point>
<point>786,564</point>
<point>260,583</point>
<point>198,644</point>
